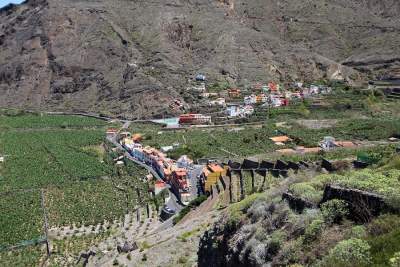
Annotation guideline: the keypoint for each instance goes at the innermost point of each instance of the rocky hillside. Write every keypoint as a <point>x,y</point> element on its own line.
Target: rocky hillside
<point>323,221</point>
<point>132,57</point>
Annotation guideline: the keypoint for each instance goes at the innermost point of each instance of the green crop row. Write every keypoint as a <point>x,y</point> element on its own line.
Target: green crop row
<point>28,256</point>
<point>68,164</point>
<point>21,217</point>
<point>355,129</point>
<point>85,202</point>
<point>48,121</point>
<point>38,159</point>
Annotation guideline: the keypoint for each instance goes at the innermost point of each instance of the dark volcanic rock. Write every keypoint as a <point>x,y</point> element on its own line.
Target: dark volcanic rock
<point>363,205</point>
<point>296,203</point>
<point>132,58</point>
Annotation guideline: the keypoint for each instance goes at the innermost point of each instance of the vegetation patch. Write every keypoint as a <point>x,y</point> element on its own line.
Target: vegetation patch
<point>27,256</point>
<point>21,218</point>
<point>37,121</point>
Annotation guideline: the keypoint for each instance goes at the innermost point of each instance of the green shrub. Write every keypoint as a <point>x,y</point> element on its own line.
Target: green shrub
<point>383,224</point>
<point>395,260</point>
<point>385,183</point>
<point>291,252</point>
<point>237,210</point>
<point>182,260</point>
<point>384,246</point>
<point>352,252</point>
<point>306,191</point>
<point>275,242</point>
<point>358,231</point>
<point>313,231</point>
<point>334,211</point>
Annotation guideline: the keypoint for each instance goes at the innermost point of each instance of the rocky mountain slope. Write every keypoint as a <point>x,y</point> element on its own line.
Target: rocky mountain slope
<point>131,57</point>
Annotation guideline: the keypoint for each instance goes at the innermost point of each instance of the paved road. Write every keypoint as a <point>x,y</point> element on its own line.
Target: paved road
<point>192,175</point>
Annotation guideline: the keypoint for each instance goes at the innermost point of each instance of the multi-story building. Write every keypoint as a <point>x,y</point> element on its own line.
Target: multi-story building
<point>179,184</point>
<point>211,174</point>
<point>194,119</point>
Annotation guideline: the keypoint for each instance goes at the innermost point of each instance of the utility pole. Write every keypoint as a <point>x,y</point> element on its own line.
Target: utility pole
<point>46,233</point>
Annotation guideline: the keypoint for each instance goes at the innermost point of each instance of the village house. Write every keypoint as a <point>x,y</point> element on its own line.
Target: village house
<point>330,143</point>
<point>273,87</point>
<point>201,87</point>
<point>280,140</point>
<point>218,102</point>
<point>251,99</point>
<point>234,93</point>
<point>278,101</point>
<point>313,90</point>
<point>211,174</point>
<point>233,111</point>
<point>208,95</point>
<point>165,149</point>
<point>248,110</point>
<point>194,119</point>
<point>184,162</point>
<point>179,184</point>
<point>239,111</point>
<point>298,85</point>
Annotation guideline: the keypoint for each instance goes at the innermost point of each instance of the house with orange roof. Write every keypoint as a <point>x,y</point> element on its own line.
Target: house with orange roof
<point>211,174</point>
<point>179,182</point>
<point>159,186</point>
<point>234,93</point>
<point>281,139</point>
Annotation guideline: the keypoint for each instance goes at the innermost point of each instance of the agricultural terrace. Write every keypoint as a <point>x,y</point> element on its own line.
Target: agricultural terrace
<point>244,141</point>
<point>18,120</point>
<point>66,157</point>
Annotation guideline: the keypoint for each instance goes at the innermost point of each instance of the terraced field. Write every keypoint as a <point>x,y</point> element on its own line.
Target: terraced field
<point>248,141</point>
<point>37,121</point>
<point>64,156</point>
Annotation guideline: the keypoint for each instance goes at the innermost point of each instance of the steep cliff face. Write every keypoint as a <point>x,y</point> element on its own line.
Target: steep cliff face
<point>132,58</point>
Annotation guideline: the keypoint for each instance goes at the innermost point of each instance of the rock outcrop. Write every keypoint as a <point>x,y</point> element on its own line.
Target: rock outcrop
<point>132,58</point>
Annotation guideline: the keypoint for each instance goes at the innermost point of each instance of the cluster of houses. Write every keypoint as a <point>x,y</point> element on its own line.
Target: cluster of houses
<point>165,167</point>
<point>327,144</point>
<point>175,173</point>
<point>271,95</point>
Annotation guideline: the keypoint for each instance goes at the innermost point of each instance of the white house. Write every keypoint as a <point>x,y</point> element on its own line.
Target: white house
<point>251,99</point>
<point>233,111</point>
<point>218,102</point>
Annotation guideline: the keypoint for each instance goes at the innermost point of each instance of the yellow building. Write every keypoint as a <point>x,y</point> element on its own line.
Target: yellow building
<point>212,173</point>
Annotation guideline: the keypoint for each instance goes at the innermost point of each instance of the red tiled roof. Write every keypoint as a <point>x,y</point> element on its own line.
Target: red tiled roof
<point>282,139</point>
<point>159,184</point>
